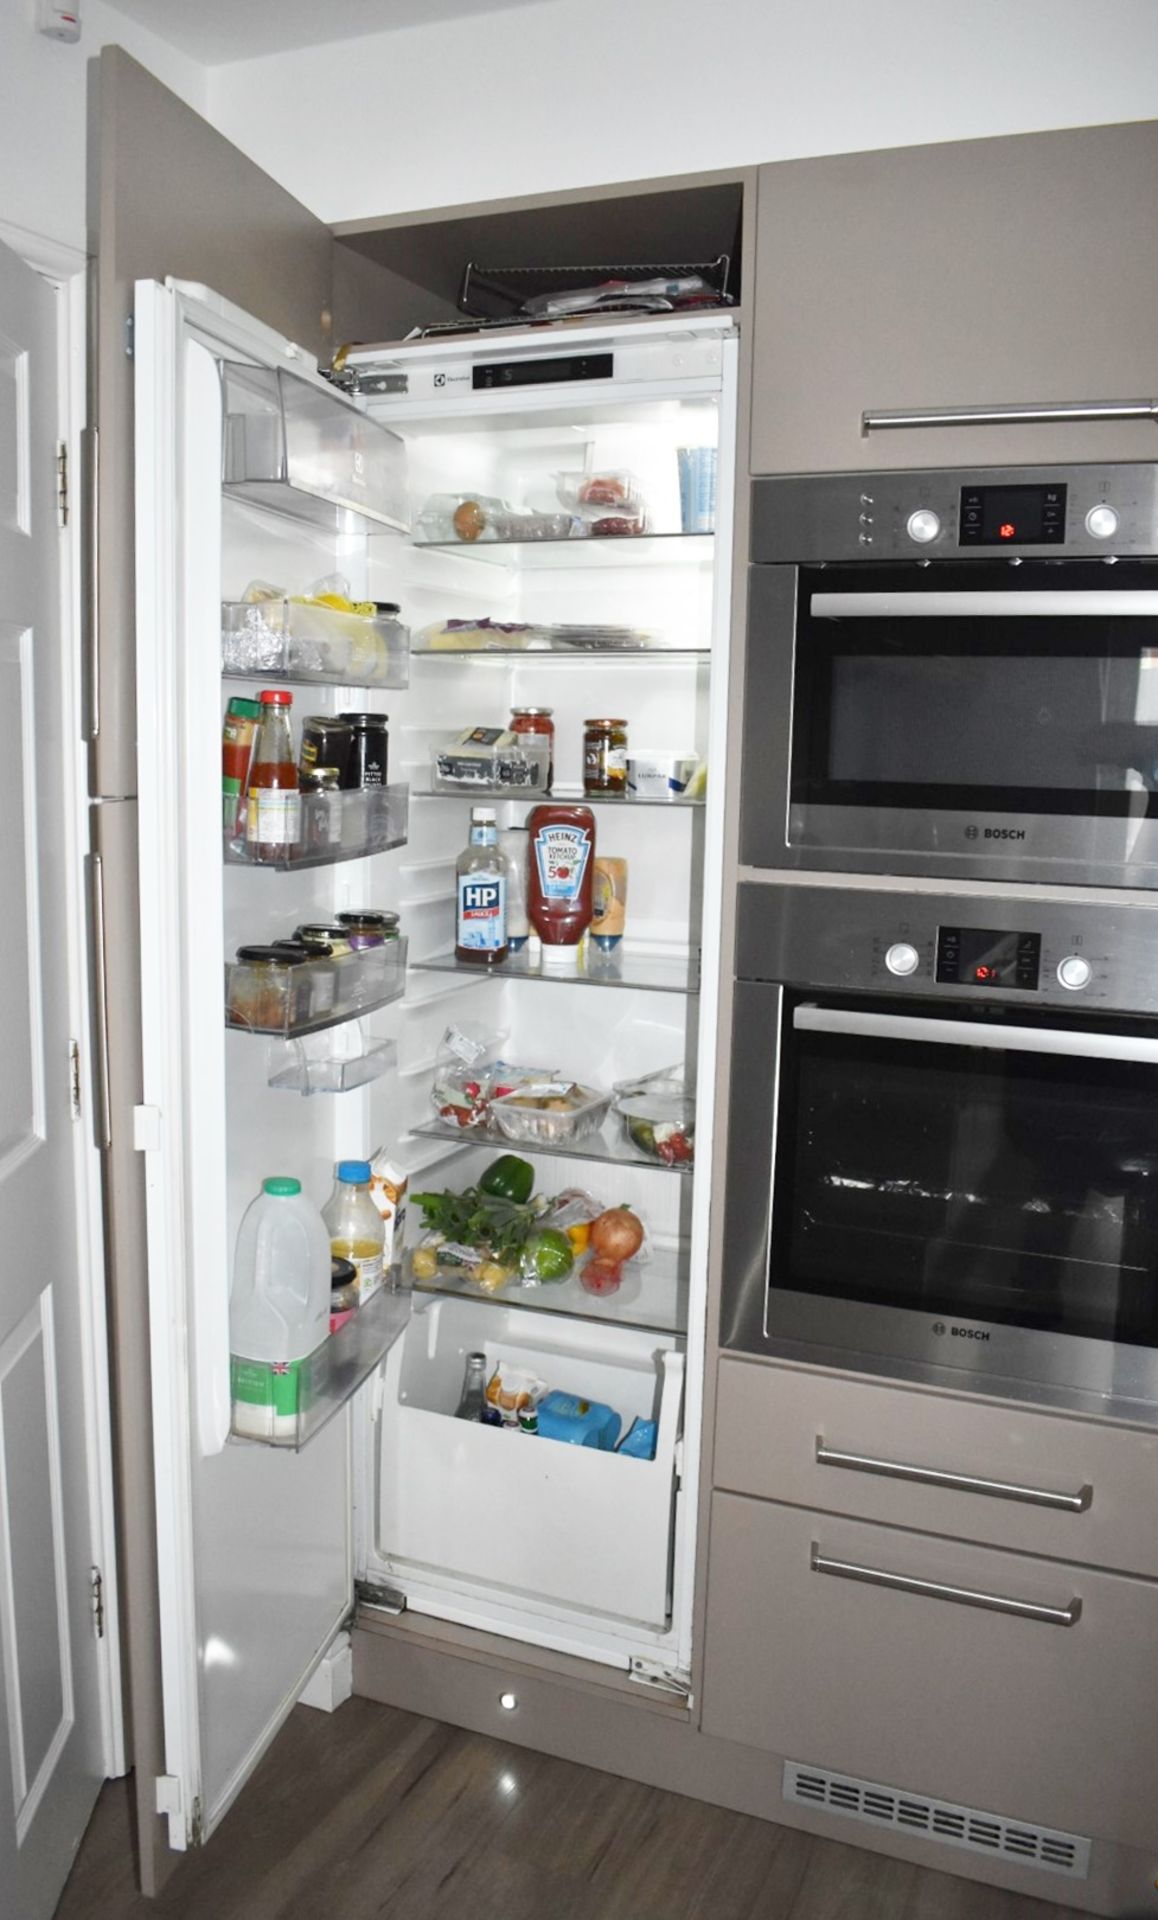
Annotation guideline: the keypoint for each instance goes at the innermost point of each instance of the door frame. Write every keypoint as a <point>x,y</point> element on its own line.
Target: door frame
<point>66,270</point>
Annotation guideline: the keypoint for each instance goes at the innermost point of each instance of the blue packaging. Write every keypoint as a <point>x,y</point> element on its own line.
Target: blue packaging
<point>639,1440</point>
<point>583,1423</point>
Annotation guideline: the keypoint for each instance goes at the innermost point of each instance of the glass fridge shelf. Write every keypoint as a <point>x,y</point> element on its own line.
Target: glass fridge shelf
<point>330,1377</point>
<point>285,640</point>
<point>673,972</point>
<point>653,1296</point>
<point>625,550</point>
<point>670,800</point>
<point>609,1144</point>
<point>336,1061</point>
<point>287,1001</point>
<point>335,827</point>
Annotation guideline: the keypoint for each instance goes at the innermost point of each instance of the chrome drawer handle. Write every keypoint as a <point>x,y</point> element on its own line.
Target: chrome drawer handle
<point>938,1590</point>
<point>1047,414</point>
<point>961,1482</point>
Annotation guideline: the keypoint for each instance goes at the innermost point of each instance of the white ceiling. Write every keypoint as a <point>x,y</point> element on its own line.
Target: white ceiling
<point>216,32</point>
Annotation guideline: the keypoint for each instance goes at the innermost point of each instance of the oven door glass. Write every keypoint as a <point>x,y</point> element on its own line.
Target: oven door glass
<point>978,687</point>
<point>949,1166</point>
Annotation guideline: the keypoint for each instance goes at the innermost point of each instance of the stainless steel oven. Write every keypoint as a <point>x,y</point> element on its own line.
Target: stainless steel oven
<point>943,1136</point>
<point>955,673</point>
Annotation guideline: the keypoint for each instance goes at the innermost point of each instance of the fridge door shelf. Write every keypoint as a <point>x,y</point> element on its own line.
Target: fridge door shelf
<point>579,1528</point>
<point>657,971</point>
<point>330,1377</point>
<point>608,1144</point>
<point>334,827</point>
<point>575,799</point>
<point>653,1296</point>
<point>336,1061</point>
<point>307,453</point>
<point>286,640</point>
<point>291,1001</point>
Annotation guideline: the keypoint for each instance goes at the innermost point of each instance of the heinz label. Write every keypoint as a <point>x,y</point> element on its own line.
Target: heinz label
<point>482,912</point>
<point>561,855</point>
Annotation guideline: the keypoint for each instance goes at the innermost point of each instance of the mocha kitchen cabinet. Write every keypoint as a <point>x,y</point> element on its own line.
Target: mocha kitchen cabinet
<point>976,275</point>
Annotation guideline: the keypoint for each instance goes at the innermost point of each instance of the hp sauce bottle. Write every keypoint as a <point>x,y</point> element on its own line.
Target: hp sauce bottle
<point>481,886</point>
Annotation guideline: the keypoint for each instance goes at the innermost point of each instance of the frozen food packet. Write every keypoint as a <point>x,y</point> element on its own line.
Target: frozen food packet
<point>511,1390</point>
<point>639,1440</point>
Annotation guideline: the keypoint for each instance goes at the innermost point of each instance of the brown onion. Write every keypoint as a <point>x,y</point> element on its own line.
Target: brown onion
<point>617,1235</point>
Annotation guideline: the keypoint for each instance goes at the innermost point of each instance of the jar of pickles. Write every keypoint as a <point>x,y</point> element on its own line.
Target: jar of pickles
<point>605,756</point>
<point>371,932</point>
<point>269,990</point>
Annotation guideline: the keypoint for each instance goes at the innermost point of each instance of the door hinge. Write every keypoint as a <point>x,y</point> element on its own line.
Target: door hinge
<point>129,337</point>
<point>96,1581</point>
<point>196,1825</point>
<point>61,484</point>
<point>74,1077</point>
<point>650,1674</point>
<point>382,1599</point>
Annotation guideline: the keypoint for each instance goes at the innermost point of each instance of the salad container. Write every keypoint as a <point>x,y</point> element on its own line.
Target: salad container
<point>550,1113</point>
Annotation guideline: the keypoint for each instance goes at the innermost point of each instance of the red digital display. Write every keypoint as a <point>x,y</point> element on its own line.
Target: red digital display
<point>985,973</point>
<point>1007,530</point>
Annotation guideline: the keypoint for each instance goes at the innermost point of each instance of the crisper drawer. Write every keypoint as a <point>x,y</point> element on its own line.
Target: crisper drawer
<point>533,1522</point>
<point>815,1650</point>
<point>1012,1477</point>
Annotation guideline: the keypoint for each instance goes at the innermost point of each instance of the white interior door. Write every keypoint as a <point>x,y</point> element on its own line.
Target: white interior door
<point>51,1755</point>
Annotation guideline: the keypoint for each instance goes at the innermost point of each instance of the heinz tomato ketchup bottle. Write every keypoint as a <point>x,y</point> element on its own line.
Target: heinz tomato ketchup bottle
<point>560,872</point>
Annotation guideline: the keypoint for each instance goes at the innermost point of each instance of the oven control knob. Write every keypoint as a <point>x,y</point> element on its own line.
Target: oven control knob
<point>923,526</point>
<point>1074,972</point>
<point>902,959</point>
<point>1102,522</point>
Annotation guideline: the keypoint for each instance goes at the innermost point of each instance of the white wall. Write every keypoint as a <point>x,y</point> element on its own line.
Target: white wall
<point>564,94</point>
<point>43,112</point>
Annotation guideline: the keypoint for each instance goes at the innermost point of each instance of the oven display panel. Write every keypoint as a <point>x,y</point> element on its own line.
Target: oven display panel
<point>987,957</point>
<point>1013,516</point>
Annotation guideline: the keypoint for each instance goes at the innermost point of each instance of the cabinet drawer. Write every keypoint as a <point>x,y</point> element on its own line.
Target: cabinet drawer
<point>777,1430</point>
<point>1010,1713</point>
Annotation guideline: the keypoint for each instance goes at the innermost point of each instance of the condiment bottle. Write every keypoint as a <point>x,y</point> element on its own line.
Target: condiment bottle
<point>369,740</point>
<point>273,816</point>
<point>605,756</point>
<point>237,737</point>
<point>559,878</point>
<point>355,1225</point>
<point>609,902</point>
<point>539,728</point>
<point>481,878</point>
<point>513,844</point>
<point>322,810</point>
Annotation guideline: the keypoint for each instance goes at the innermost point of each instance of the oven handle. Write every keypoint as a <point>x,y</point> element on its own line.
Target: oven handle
<point>1079,1502</point>
<point>964,1033</point>
<point>1052,605</point>
<point>1045,413</point>
<point>939,1590</point>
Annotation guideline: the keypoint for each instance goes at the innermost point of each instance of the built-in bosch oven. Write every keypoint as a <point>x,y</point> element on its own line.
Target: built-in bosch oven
<point>955,673</point>
<point>943,1136</point>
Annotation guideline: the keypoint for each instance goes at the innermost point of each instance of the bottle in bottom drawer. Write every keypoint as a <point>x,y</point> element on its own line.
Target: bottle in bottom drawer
<point>517,1399</point>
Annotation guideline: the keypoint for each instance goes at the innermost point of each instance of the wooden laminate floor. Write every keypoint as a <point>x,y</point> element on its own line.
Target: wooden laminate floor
<point>371,1812</point>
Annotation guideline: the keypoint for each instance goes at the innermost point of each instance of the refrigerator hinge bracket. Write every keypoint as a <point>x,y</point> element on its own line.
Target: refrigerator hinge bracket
<point>661,1679</point>
<point>61,484</point>
<point>679,1463</point>
<point>129,337</point>
<point>168,1788</point>
<point>74,1078</point>
<point>379,1598</point>
<point>146,1129</point>
<point>96,1582</point>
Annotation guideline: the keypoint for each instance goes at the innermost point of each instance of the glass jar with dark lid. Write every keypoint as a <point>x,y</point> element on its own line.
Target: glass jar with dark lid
<point>267,990</point>
<point>327,741</point>
<point>369,739</point>
<point>323,972</point>
<point>605,756</point>
<point>321,810</point>
<point>369,926</point>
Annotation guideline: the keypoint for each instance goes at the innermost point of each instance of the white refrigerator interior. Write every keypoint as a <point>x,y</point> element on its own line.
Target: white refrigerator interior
<point>566,1547</point>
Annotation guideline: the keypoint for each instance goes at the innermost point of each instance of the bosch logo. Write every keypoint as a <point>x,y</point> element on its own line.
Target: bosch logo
<point>972,833</point>
<point>938,1326</point>
<point>995,833</point>
<point>968,1333</point>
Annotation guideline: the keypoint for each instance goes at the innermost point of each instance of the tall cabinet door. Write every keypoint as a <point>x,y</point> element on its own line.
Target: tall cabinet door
<point>995,276</point>
<point>168,196</point>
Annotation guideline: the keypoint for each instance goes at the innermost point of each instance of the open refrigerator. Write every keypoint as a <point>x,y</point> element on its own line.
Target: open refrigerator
<point>251,467</point>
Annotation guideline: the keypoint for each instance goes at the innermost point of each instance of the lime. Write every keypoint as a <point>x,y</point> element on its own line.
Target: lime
<point>549,1254</point>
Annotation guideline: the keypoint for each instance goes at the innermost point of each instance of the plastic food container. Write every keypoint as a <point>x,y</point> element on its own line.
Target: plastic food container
<point>655,774</point>
<point>298,641</point>
<point>490,760</point>
<point>526,1116</point>
<point>591,497</point>
<point>660,1124</point>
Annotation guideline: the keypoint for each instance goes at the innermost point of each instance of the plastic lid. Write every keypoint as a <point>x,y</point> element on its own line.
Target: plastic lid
<point>602,721</point>
<point>244,709</point>
<point>281,1187</point>
<point>559,956</point>
<point>286,956</point>
<point>364,719</point>
<point>356,1172</point>
<point>275,697</point>
<point>483,816</point>
<point>368,917</point>
<point>524,713</point>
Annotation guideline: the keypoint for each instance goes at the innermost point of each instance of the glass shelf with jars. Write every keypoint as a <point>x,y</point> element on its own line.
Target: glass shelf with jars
<point>290,988</point>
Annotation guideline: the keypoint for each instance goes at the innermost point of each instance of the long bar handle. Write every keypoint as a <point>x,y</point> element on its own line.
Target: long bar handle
<point>939,1590</point>
<point>959,1482</point>
<point>967,1033</point>
<point>90,581</point>
<point>1047,413</point>
<point>102,1105</point>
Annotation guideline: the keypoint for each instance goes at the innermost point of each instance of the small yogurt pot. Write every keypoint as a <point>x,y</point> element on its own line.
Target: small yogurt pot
<point>655,774</point>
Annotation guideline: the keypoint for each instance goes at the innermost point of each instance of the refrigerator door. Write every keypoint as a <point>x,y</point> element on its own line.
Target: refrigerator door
<point>254,1559</point>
